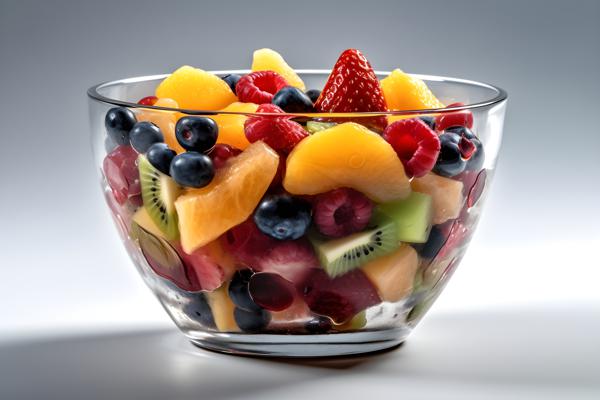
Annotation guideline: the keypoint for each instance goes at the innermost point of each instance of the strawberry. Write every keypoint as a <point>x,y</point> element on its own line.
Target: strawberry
<point>279,132</point>
<point>415,143</point>
<point>353,87</point>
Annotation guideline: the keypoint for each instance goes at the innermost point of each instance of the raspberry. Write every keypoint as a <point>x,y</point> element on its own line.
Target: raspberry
<point>279,132</point>
<point>457,118</point>
<point>341,212</point>
<point>415,143</point>
<point>259,87</point>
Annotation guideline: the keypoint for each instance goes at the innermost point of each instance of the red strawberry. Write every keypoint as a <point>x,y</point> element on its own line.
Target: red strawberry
<point>259,87</point>
<point>279,132</point>
<point>341,212</point>
<point>415,143</point>
<point>457,118</point>
<point>353,87</point>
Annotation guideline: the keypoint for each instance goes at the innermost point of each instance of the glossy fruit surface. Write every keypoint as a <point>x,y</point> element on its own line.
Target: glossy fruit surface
<point>207,213</point>
<point>195,89</point>
<point>405,92</point>
<point>118,122</point>
<point>192,169</point>
<point>270,60</point>
<point>283,217</point>
<point>196,133</point>
<point>231,126</point>
<point>346,155</point>
<point>353,87</point>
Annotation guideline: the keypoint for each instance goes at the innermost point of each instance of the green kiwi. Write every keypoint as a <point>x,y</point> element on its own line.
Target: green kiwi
<point>316,126</point>
<point>412,217</point>
<point>339,256</point>
<point>159,193</point>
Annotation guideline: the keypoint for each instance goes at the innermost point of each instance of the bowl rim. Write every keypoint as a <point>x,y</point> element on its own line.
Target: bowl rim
<point>501,95</point>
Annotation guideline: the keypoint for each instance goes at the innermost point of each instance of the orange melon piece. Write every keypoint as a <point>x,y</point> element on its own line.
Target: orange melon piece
<point>196,89</point>
<point>165,120</point>
<point>231,127</point>
<point>346,155</point>
<point>446,195</point>
<point>404,92</point>
<point>206,213</point>
<point>393,274</point>
<point>270,60</point>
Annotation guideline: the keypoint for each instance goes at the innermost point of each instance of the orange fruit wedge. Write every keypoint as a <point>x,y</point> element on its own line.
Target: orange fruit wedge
<point>231,127</point>
<point>270,60</point>
<point>346,155</point>
<point>205,214</point>
<point>196,89</point>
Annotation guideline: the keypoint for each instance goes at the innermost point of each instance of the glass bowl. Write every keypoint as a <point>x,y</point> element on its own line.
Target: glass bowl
<point>248,293</point>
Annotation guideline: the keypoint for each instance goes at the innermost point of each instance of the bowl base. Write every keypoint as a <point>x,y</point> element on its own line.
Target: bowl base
<point>300,346</point>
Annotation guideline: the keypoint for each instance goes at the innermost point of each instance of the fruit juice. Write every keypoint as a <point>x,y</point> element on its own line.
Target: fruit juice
<point>268,213</point>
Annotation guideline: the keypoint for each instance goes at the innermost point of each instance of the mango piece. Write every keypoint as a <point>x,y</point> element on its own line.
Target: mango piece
<point>270,60</point>
<point>346,155</point>
<point>196,89</point>
<point>393,274</point>
<point>231,127</point>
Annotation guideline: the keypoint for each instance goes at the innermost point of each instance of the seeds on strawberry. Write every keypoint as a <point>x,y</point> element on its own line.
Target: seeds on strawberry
<point>415,143</point>
<point>341,212</point>
<point>458,118</point>
<point>279,132</point>
<point>353,87</point>
<point>259,87</point>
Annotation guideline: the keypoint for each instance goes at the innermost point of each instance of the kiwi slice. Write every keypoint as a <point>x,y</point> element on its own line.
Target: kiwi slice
<point>316,126</point>
<point>339,256</point>
<point>412,217</point>
<point>159,193</point>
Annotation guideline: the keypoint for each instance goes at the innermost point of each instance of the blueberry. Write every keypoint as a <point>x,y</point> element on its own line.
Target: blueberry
<point>239,293</point>
<point>450,162</point>
<point>476,160</point>
<point>160,156</point>
<point>192,169</point>
<point>231,80</point>
<point>251,321</point>
<point>429,121</point>
<point>293,100</point>
<point>283,216</point>
<point>313,94</point>
<point>199,310</point>
<point>143,135</point>
<point>318,325</point>
<point>433,245</point>
<point>118,122</point>
<point>196,133</point>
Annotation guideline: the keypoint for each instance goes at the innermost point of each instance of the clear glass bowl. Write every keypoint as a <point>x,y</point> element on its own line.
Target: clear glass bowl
<point>358,312</point>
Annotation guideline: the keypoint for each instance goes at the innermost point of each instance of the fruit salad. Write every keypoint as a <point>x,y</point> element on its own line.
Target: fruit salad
<point>276,207</point>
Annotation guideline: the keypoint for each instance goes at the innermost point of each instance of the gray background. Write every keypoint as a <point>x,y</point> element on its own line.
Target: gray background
<point>62,265</point>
